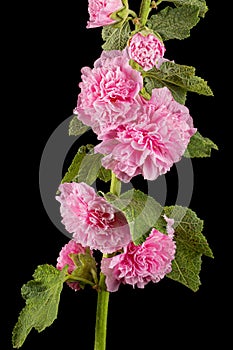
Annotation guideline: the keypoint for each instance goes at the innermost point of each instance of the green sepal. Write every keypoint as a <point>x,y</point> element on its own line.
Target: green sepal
<point>85,268</point>
<point>120,16</point>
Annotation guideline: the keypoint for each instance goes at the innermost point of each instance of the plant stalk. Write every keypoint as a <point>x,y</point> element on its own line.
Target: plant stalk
<point>101,315</point>
<point>115,186</point>
<point>103,294</point>
<point>145,9</point>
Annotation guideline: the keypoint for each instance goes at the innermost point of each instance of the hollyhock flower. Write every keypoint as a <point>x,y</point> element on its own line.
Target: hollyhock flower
<point>153,143</point>
<point>139,265</point>
<point>100,12</point>
<point>108,91</point>
<point>146,50</point>
<point>64,259</point>
<point>92,220</point>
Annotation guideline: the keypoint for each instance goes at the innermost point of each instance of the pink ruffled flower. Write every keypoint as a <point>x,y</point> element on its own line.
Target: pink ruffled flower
<point>108,91</point>
<point>150,145</point>
<point>100,12</point>
<point>64,259</point>
<point>139,265</point>
<point>93,221</point>
<point>146,50</point>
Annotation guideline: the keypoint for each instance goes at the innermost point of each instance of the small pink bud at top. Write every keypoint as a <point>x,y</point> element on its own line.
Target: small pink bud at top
<point>146,50</point>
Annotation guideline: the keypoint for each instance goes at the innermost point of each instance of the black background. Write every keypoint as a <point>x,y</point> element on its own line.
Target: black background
<point>51,45</point>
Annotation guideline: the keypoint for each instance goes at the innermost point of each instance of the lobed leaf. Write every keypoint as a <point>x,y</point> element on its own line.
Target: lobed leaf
<point>42,297</point>
<point>174,23</point>
<point>201,4</point>
<point>191,244</point>
<point>115,37</point>
<point>178,92</point>
<point>186,267</point>
<point>178,79</point>
<point>199,147</point>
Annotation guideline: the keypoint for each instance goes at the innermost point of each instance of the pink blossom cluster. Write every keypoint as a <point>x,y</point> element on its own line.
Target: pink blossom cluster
<point>138,136</point>
<point>150,144</point>
<point>96,224</point>
<point>139,265</point>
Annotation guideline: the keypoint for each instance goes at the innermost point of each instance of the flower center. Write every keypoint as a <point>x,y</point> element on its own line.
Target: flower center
<point>100,215</point>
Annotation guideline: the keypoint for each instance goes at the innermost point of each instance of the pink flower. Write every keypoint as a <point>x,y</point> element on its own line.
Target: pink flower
<point>138,265</point>
<point>64,259</point>
<point>93,221</point>
<point>108,91</point>
<point>152,143</point>
<point>100,12</point>
<point>146,50</point>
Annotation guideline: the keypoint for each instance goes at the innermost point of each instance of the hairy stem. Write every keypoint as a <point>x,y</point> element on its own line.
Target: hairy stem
<point>101,315</point>
<point>103,294</point>
<point>144,12</point>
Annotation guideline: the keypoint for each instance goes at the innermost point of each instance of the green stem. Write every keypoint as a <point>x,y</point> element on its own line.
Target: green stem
<point>144,12</point>
<point>130,12</point>
<point>101,315</point>
<point>115,186</point>
<point>103,294</point>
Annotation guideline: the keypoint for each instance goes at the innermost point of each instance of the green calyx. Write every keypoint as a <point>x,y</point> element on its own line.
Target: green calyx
<point>85,271</point>
<point>120,16</point>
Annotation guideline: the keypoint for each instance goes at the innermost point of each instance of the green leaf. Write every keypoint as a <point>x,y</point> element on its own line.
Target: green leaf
<point>199,147</point>
<point>178,78</point>
<point>178,92</point>
<point>42,297</point>
<point>89,168</point>
<point>73,170</point>
<point>174,23</point>
<point>76,127</point>
<point>104,174</point>
<point>86,167</point>
<point>116,38</point>
<point>140,210</point>
<point>200,3</point>
<point>191,244</point>
<point>184,76</point>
